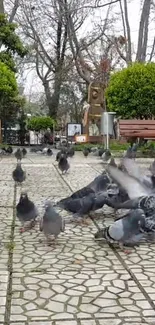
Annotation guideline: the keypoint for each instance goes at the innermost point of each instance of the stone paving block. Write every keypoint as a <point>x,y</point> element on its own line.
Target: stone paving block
<point>6,193</point>
<point>80,175</point>
<point>3,293</point>
<point>76,249</point>
<point>67,295</point>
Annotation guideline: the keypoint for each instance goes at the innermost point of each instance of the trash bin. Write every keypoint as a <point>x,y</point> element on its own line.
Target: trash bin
<point>107,119</point>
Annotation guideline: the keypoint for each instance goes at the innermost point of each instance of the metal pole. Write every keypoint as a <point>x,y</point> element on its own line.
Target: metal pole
<point>107,145</point>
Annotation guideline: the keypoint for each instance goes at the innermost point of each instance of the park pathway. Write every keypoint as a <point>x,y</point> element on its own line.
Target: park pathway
<point>79,282</point>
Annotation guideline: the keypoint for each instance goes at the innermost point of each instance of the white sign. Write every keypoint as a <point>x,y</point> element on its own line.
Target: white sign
<point>81,138</point>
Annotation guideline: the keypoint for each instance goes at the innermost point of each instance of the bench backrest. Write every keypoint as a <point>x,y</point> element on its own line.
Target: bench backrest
<point>137,128</point>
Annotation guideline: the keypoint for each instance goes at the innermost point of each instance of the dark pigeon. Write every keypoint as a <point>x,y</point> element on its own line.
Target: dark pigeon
<point>101,152</point>
<point>9,150</point>
<point>19,154</point>
<point>18,174</point>
<point>26,212</point>
<point>70,152</point>
<point>63,164</point>
<point>59,154</point>
<point>52,223</point>
<point>49,152</point>
<point>99,184</point>
<point>86,152</point>
<point>24,151</point>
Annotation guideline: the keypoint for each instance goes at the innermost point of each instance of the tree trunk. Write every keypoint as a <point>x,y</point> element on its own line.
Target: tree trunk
<point>143,32</point>
<point>52,100</point>
<point>1,7</point>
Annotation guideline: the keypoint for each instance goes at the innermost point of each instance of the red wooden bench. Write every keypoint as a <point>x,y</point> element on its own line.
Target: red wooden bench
<point>137,128</point>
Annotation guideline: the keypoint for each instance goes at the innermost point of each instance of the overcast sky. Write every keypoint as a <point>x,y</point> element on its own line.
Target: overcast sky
<point>34,86</point>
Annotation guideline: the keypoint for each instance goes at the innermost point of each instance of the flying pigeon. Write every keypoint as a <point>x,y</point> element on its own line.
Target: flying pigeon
<point>52,223</point>
<point>18,174</point>
<point>26,212</point>
<point>63,164</point>
<point>140,195</point>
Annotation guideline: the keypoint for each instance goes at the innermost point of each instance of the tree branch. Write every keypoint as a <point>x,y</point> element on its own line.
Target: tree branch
<point>14,10</point>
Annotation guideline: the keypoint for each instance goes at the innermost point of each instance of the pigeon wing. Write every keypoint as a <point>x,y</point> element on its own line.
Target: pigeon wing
<point>132,186</point>
<point>132,168</point>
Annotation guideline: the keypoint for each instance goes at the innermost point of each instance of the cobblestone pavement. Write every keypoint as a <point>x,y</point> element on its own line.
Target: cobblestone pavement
<point>79,282</point>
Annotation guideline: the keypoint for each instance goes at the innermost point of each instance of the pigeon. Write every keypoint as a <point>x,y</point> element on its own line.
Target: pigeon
<point>19,154</point>
<point>86,152</point>
<point>152,168</point>
<point>18,174</point>
<point>99,184</point>
<point>24,151</point>
<point>59,154</point>
<point>26,212</point>
<point>112,162</point>
<point>106,155</point>
<point>9,150</point>
<point>70,152</point>
<point>44,151</point>
<point>140,195</point>
<point>63,164</point>
<point>101,152</point>
<point>94,149</point>
<point>134,150</point>
<point>133,169</point>
<point>52,223</point>
<point>127,231</point>
<point>49,152</point>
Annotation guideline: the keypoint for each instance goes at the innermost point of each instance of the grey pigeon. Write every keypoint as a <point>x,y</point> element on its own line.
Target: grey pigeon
<point>93,149</point>
<point>19,154</point>
<point>26,212</point>
<point>19,174</point>
<point>127,230</point>
<point>152,168</point>
<point>106,155</point>
<point>112,162</point>
<point>52,224</point>
<point>63,164</point>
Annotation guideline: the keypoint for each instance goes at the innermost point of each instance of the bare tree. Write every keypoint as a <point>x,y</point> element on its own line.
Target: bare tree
<point>141,53</point>
<point>48,46</point>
